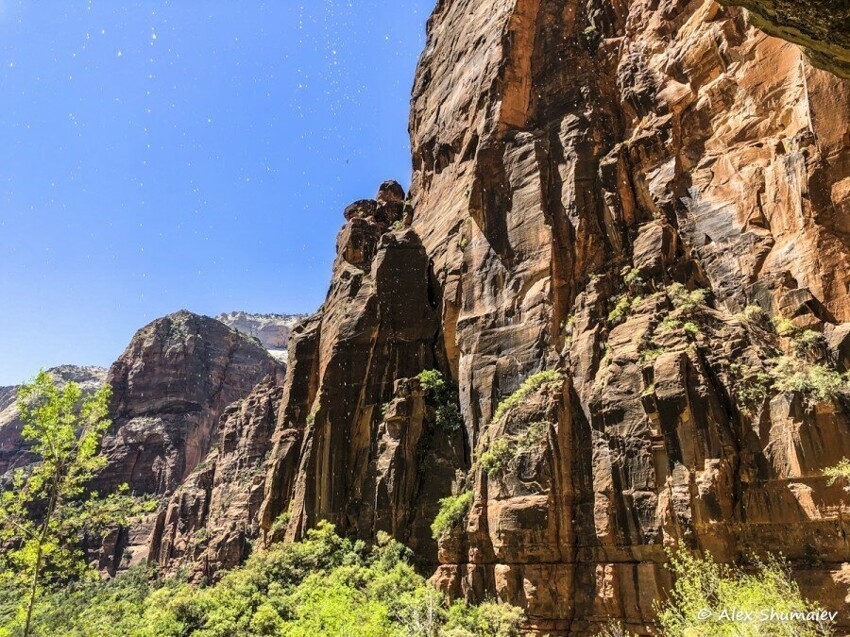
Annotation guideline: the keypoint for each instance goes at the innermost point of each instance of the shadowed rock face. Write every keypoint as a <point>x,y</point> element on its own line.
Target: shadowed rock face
<point>821,26</point>
<point>355,442</point>
<point>206,525</point>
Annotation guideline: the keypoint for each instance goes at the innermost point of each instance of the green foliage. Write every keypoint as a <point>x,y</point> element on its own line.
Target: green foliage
<point>650,354</point>
<point>690,328</point>
<point>398,225</point>
<point>808,342</point>
<point>814,381</point>
<point>529,385</point>
<point>452,512</point>
<point>704,589</point>
<point>687,302</point>
<point>496,457</point>
<point>621,310</point>
<point>784,326</point>
<point>613,629</point>
<point>323,586</point>
<point>443,396</point>
<point>668,324</point>
<point>753,314</point>
<point>839,472</point>
<point>632,278</point>
<point>47,511</point>
<point>751,384</point>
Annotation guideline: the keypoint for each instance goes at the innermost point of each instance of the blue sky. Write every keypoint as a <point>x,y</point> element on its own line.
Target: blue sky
<point>188,154</point>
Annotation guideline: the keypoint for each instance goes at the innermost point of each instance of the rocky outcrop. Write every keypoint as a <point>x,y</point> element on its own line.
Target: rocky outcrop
<point>821,26</point>
<point>13,448</point>
<point>206,525</point>
<point>169,389</point>
<point>272,330</point>
<point>356,442</point>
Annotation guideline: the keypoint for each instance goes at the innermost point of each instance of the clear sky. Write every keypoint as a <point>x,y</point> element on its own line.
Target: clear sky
<point>187,154</point>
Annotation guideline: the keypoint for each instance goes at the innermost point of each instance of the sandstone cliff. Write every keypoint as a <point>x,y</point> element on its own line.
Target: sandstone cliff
<point>169,390</point>
<point>572,162</point>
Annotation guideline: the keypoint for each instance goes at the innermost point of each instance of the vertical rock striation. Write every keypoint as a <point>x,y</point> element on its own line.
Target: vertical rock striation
<point>355,443</point>
<point>572,163</point>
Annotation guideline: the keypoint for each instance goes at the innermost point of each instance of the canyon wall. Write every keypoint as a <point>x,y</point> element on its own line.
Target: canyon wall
<point>625,251</point>
<point>573,162</point>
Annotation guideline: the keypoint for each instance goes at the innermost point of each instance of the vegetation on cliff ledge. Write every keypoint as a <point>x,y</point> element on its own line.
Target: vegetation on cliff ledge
<point>323,586</point>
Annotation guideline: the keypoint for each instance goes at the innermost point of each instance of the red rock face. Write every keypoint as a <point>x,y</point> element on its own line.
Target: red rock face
<point>570,158</point>
<point>206,525</point>
<point>355,443</point>
<point>170,388</point>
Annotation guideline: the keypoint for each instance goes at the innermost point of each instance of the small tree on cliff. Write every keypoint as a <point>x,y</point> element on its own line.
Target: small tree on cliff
<point>46,512</point>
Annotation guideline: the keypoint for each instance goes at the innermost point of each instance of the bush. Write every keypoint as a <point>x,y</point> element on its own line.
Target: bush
<point>323,586</point>
<point>751,384</point>
<point>690,328</point>
<point>452,512</point>
<point>529,385</point>
<point>784,326</point>
<point>809,342</point>
<point>704,589</point>
<point>753,314</point>
<point>814,381</point>
<point>496,457</point>
<point>443,397</point>
<point>687,302</point>
<point>621,310</point>
<point>838,473</point>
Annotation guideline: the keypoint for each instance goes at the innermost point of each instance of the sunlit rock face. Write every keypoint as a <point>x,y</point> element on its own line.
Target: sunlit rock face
<point>169,389</point>
<point>272,330</point>
<point>822,27</point>
<point>558,144</point>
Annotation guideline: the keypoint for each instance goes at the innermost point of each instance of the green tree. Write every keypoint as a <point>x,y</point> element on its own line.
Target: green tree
<point>47,513</point>
<point>763,599</point>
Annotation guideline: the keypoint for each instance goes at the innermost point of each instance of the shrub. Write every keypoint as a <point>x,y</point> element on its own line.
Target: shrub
<point>686,301</point>
<point>839,472</point>
<point>784,326</point>
<point>753,314</point>
<point>704,589</point>
<point>631,277</point>
<point>808,342</point>
<point>496,457</point>
<point>751,384</point>
<point>529,385</point>
<point>621,310</point>
<point>650,354</point>
<point>613,629</point>
<point>443,397</point>
<point>323,586</point>
<point>452,512</point>
<point>690,328</point>
<point>814,381</point>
